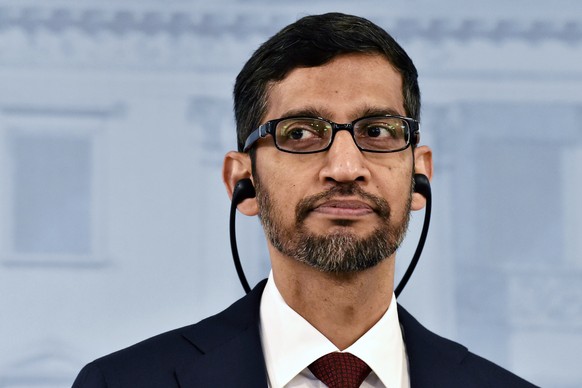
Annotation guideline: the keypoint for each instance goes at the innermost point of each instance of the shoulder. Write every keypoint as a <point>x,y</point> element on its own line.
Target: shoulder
<point>437,361</point>
<point>154,358</point>
<point>155,361</point>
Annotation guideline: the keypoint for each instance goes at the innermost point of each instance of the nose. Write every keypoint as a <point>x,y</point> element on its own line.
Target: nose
<point>344,162</point>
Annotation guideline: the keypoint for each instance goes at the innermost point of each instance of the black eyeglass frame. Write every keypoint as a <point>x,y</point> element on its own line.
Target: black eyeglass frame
<point>269,128</point>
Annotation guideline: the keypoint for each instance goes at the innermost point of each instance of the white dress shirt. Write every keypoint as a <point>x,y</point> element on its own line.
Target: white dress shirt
<point>290,344</point>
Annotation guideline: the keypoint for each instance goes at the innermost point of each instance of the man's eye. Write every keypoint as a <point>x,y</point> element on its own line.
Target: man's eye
<point>299,134</point>
<point>380,130</point>
<point>302,130</point>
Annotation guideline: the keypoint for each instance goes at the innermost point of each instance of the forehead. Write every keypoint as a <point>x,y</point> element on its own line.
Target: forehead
<point>340,90</point>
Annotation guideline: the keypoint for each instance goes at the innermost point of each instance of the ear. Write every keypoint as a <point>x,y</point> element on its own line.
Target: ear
<point>237,166</point>
<point>422,165</point>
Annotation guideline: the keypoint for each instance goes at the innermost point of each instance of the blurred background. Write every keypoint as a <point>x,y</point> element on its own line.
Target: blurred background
<point>114,119</point>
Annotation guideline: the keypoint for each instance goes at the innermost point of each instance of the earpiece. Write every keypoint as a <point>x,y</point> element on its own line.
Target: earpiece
<point>243,189</point>
<point>422,185</point>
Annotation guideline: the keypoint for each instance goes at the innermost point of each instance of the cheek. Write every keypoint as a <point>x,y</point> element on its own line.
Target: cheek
<point>287,176</point>
<point>395,185</point>
<point>281,189</point>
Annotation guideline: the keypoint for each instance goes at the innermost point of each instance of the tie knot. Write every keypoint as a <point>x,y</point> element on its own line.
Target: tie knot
<point>340,370</point>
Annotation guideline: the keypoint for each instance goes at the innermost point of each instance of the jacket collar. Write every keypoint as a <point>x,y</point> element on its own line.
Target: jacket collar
<point>232,340</point>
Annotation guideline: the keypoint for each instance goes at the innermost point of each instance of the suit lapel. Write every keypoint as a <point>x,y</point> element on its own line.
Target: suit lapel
<point>229,351</point>
<point>230,348</point>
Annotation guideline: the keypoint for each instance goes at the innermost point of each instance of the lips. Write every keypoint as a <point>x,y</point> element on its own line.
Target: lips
<point>342,201</point>
<point>345,207</point>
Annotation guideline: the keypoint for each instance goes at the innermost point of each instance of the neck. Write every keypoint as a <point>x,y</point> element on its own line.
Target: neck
<point>343,307</point>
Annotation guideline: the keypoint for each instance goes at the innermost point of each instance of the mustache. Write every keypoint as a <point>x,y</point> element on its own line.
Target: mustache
<point>379,205</point>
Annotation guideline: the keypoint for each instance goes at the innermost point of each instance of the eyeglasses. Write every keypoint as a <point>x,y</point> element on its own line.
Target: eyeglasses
<point>306,135</point>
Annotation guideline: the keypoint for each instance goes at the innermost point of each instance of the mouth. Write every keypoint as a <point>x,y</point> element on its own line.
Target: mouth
<point>347,203</point>
<point>344,208</point>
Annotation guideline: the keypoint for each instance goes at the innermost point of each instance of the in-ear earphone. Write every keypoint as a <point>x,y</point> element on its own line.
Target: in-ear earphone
<point>422,185</point>
<point>243,189</point>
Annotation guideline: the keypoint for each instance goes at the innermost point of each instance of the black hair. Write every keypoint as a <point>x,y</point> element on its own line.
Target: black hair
<point>309,42</point>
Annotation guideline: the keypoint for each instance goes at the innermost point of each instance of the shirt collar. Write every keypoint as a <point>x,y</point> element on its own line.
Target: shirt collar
<point>290,343</point>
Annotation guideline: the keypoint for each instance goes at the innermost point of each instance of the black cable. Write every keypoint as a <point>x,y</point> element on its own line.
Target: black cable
<point>234,249</point>
<point>426,192</point>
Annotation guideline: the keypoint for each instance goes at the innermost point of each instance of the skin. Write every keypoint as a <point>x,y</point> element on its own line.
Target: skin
<point>341,306</point>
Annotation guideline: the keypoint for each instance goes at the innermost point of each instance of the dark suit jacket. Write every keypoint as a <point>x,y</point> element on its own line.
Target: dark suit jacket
<point>225,351</point>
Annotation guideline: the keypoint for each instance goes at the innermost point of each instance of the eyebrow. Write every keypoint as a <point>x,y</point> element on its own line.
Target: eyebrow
<point>311,111</point>
<point>308,111</point>
<point>379,111</point>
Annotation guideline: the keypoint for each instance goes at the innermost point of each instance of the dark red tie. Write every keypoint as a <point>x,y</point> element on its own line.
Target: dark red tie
<point>340,370</point>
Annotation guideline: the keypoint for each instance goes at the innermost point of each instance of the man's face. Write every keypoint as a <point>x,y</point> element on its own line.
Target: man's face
<point>341,210</point>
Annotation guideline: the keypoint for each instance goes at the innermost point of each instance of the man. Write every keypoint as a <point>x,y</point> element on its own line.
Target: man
<point>327,117</point>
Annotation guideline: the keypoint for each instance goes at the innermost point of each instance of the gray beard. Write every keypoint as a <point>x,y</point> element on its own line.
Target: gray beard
<point>339,252</point>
